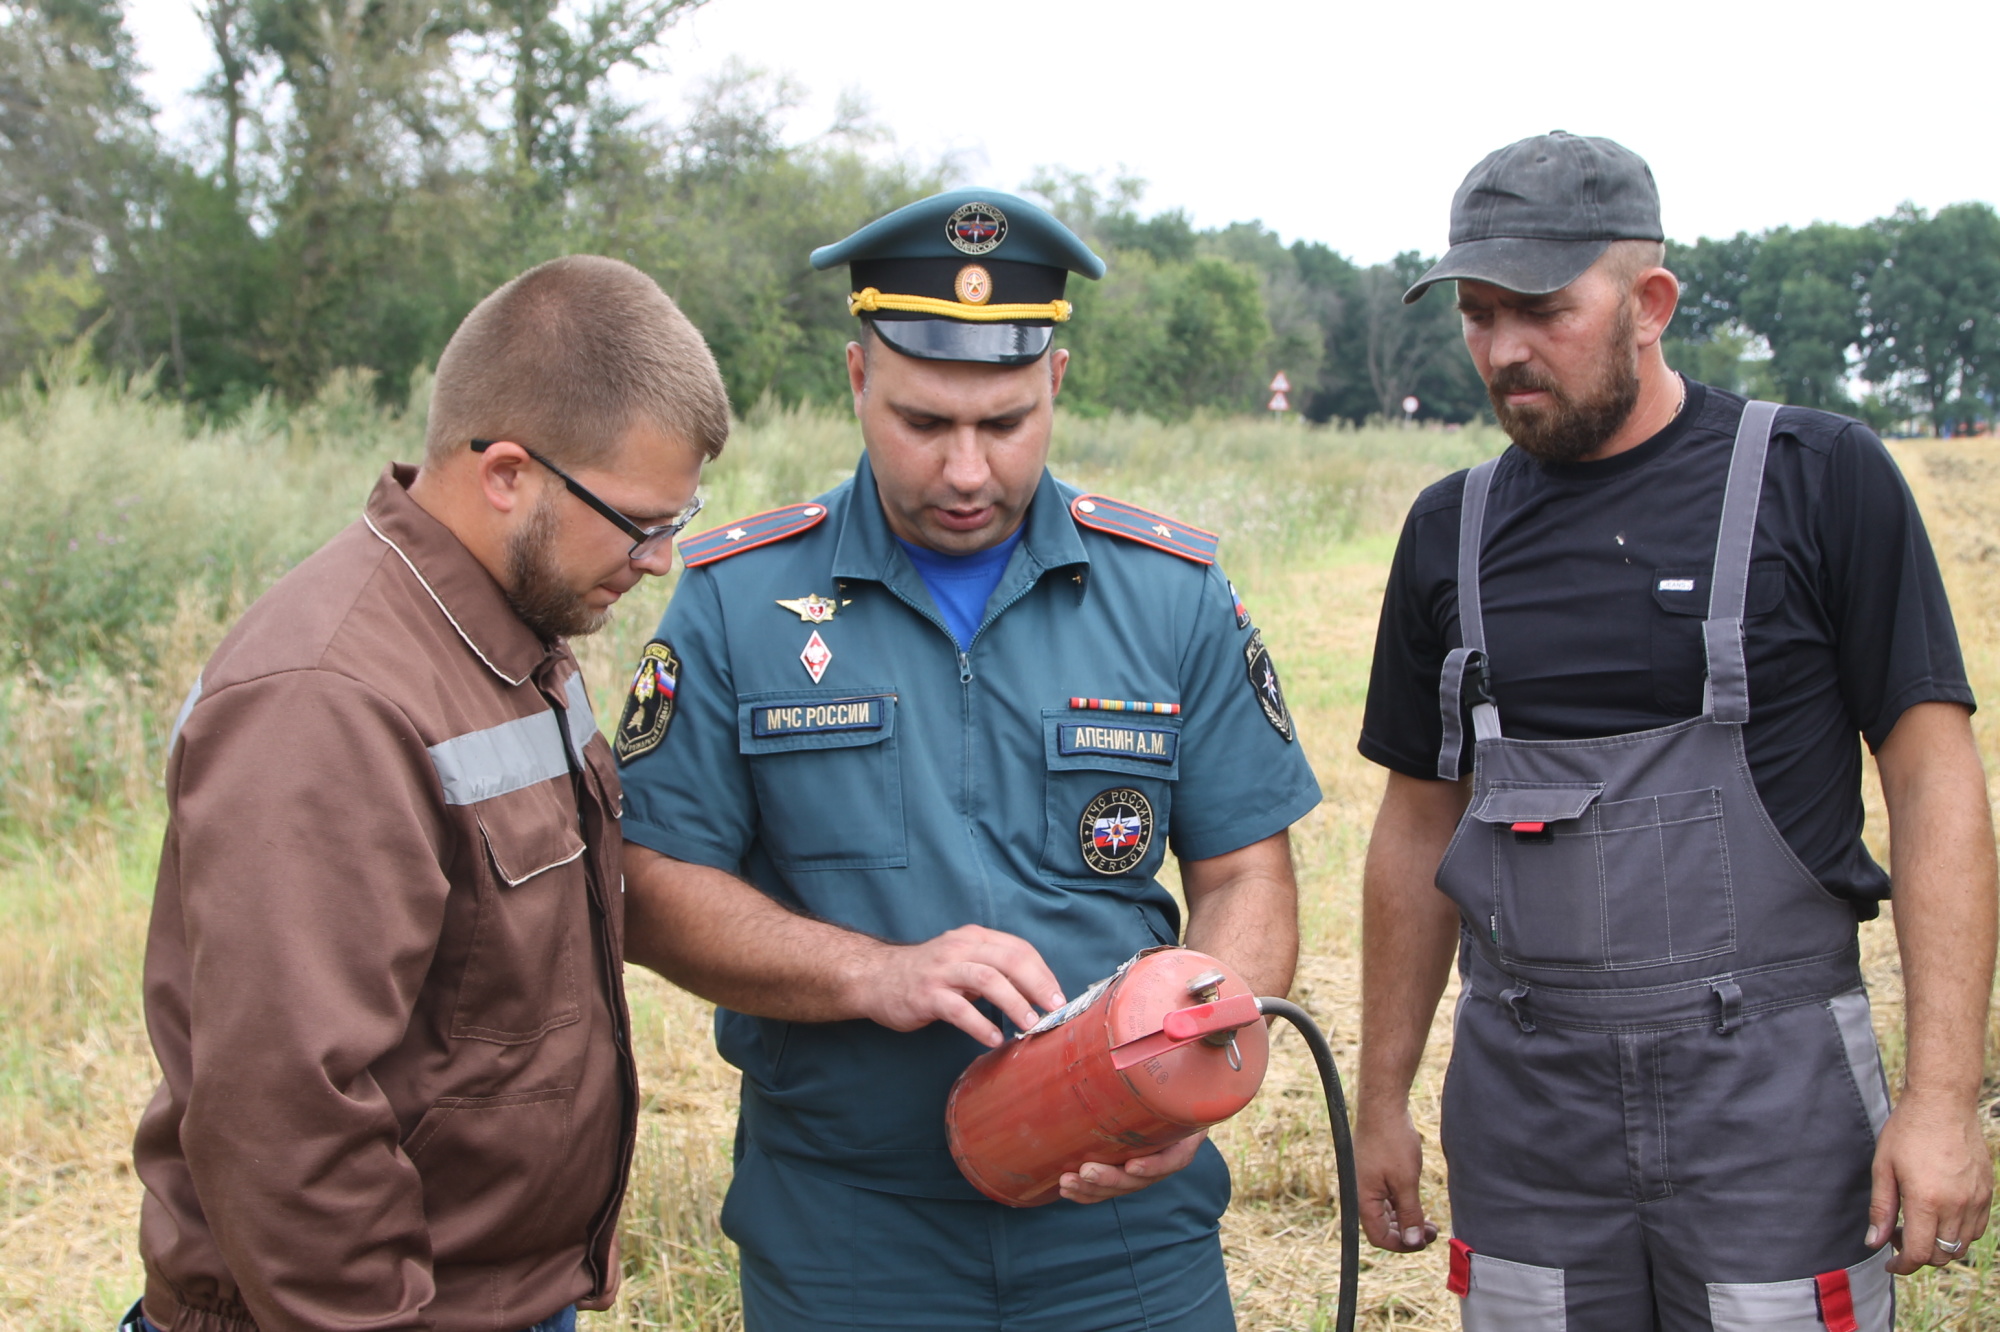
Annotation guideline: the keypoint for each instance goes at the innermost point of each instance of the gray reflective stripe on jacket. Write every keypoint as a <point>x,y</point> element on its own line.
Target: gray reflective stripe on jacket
<point>480,765</point>
<point>181,717</point>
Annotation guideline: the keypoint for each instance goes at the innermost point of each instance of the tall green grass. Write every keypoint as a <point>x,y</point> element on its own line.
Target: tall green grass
<point>134,533</point>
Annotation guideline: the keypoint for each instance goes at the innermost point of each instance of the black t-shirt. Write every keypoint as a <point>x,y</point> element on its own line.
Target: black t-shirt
<point>1596,576</point>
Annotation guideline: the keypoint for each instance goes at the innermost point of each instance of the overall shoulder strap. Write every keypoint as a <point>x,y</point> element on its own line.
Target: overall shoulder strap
<point>1727,695</point>
<point>1471,631</point>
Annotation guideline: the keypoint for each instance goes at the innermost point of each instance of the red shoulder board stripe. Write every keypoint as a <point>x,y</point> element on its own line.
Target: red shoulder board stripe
<point>719,543</point>
<point>1145,527</point>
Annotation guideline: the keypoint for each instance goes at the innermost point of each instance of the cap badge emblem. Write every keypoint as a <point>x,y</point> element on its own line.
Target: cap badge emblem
<point>976,228</point>
<point>974,285</point>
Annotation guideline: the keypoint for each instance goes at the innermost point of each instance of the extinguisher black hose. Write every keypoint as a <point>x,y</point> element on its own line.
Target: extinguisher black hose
<point>1343,1155</point>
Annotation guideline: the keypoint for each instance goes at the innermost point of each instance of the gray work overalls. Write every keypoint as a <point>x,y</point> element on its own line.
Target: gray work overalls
<point>1664,1094</point>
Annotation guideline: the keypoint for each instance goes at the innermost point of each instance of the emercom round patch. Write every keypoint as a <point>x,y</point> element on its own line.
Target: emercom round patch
<point>649,704</point>
<point>1116,830</point>
<point>975,228</point>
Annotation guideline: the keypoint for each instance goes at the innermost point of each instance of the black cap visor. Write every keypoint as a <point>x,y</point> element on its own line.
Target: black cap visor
<point>1528,265</point>
<point>954,340</point>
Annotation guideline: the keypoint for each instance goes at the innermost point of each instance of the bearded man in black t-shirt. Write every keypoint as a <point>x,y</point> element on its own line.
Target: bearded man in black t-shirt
<point>1652,633</point>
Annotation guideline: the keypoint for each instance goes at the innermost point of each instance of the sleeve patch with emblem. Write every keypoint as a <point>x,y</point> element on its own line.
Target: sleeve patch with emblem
<point>649,704</point>
<point>1264,684</point>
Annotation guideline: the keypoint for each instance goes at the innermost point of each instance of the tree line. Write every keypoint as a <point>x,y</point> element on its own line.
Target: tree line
<point>362,171</point>
<point>1897,320</point>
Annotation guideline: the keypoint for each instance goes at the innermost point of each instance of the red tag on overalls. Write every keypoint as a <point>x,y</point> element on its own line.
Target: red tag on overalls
<point>1836,1302</point>
<point>1459,1279</point>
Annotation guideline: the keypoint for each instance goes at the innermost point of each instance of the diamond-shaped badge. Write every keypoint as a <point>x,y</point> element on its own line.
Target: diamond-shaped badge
<point>816,656</point>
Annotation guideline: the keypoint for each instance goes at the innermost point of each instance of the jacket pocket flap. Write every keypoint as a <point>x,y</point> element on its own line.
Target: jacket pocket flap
<point>777,724</point>
<point>1536,804</point>
<point>528,832</point>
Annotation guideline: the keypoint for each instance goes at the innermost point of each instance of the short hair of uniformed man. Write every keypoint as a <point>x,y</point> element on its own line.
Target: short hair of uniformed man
<point>568,357</point>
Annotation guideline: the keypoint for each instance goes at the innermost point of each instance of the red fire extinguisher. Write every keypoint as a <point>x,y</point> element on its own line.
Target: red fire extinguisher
<point>1169,1044</point>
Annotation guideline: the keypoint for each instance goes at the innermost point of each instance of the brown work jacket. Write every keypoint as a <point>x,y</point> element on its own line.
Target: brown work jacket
<point>382,977</point>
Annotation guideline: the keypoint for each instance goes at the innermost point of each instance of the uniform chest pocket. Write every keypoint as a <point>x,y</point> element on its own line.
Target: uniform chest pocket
<point>1579,882</point>
<point>829,785</point>
<point>1680,597</point>
<point>1109,793</point>
<point>531,928</point>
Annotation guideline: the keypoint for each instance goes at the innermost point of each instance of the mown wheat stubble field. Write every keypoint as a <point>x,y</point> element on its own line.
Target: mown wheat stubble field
<point>1309,518</point>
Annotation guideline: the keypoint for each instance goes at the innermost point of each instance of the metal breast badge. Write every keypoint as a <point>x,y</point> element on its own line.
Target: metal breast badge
<point>813,609</point>
<point>816,656</point>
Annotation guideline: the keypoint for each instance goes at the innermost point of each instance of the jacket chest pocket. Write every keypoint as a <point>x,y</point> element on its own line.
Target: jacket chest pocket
<point>829,786</point>
<point>531,933</point>
<point>1567,879</point>
<point>1109,793</point>
<point>1680,598</point>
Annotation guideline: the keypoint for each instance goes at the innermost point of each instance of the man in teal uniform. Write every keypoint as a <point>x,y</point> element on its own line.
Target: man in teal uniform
<point>901,770</point>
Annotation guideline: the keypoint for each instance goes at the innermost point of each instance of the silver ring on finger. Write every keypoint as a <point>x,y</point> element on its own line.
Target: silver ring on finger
<point>1952,1247</point>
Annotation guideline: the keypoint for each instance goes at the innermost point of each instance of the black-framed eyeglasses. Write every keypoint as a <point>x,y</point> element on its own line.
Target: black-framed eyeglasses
<point>646,541</point>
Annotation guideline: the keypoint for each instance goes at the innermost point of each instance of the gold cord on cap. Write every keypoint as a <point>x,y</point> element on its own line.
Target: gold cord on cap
<point>868,299</point>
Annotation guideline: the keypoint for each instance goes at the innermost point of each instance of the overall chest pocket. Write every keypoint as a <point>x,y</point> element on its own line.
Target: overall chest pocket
<point>829,787</point>
<point>531,928</point>
<point>1109,793</point>
<point>1582,883</point>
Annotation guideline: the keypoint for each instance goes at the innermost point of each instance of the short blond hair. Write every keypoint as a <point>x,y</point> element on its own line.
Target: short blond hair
<point>1624,260</point>
<point>567,358</point>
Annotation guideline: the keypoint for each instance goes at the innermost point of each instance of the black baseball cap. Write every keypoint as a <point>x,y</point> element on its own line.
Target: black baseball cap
<point>1534,215</point>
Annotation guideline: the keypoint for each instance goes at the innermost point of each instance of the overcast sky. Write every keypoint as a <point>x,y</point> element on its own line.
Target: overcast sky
<point>1353,123</point>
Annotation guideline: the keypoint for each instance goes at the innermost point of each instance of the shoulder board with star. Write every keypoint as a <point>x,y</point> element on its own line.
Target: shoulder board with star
<point>719,543</point>
<point>1145,527</point>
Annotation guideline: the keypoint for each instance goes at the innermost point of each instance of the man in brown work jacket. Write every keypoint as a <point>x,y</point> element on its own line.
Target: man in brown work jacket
<point>382,977</point>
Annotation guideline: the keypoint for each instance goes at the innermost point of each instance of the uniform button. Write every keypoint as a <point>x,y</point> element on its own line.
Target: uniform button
<point>812,511</point>
<point>1085,506</point>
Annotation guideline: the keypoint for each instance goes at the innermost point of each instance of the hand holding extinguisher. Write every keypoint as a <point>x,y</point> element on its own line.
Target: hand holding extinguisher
<point>1169,1044</point>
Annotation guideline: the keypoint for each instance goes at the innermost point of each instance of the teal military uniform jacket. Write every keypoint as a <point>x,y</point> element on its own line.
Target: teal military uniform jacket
<point>843,755</point>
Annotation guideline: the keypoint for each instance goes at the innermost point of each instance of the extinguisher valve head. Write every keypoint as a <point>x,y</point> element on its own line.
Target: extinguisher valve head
<point>1206,986</point>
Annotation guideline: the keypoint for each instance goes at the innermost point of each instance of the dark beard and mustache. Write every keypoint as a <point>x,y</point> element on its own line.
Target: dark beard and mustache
<point>535,586</point>
<point>1570,429</point>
